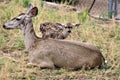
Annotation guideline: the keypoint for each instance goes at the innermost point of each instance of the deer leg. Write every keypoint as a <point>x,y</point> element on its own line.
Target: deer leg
<point>48,64</point>
<point>32,64</point>
<point>45,63</point>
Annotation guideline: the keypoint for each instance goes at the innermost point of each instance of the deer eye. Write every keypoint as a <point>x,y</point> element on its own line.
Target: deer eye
<point>18,19</point>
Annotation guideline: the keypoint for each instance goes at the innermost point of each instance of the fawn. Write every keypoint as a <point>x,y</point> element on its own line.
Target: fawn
<point>56,30</point>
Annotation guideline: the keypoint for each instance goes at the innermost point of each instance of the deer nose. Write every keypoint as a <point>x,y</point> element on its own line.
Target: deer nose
<point>69,31</point>
<point>4,26</point>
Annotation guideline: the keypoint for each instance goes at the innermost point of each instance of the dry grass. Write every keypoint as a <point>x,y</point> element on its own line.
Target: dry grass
<point>13,56</point>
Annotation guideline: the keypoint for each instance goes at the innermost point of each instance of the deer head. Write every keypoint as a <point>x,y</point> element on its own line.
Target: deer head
<point>22,19</point>
<point>69,26</point>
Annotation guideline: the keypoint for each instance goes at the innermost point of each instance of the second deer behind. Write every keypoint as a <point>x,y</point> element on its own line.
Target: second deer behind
<point>56,30</point>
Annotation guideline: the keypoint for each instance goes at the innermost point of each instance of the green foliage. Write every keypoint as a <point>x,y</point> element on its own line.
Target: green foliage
<point>25,3</point>
<point>20,44</point>
<point>32,76</point>
<point>6,14</point>
<point>72,1</point>
<point>41,3</point>
<point>110,13</point>
<point>3,40</point>
<point>83,16</point>
<point>61,71</point>
<point>52,15</point>
<point>103,16</point>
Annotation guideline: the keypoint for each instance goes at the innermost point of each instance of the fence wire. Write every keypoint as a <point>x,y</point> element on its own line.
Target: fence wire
<point>99,8</point>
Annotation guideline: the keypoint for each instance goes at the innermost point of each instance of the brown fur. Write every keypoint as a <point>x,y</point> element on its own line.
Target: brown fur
<point>56,30</point>
<point>49,53</point>
<point>67,54</point>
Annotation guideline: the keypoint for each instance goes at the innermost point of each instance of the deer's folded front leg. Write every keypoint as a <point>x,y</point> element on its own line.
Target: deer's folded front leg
<point>42,63</point>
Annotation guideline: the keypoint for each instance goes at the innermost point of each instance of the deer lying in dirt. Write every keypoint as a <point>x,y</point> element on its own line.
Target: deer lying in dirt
<point>57,30</point>
<point>51,53</point>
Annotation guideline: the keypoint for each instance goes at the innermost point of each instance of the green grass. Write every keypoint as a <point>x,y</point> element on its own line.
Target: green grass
<point>24,3</point>
<point>107,39</point>
<point>83,16</point>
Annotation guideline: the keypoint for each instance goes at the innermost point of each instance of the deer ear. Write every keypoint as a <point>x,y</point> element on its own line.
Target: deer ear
<point>76,25</point>
<point>30,6</point>
<point>33,12</point>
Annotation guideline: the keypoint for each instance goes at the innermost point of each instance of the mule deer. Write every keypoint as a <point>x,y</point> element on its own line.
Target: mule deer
<point>51,53</point>
<point>57,30</point>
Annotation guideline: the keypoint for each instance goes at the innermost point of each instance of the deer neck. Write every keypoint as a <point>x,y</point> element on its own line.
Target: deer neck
<point>29,36</point>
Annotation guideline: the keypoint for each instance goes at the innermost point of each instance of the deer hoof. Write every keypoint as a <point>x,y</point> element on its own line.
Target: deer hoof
<point>32,65</point>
